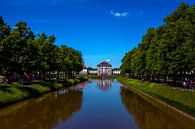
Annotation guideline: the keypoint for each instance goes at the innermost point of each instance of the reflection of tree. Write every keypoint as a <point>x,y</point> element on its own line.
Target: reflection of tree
<point>147,116</point>
<point>104,84</point>
<point>44,114</point>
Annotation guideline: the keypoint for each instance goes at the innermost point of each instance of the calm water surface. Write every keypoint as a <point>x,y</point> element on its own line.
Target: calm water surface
<point>97,104</point>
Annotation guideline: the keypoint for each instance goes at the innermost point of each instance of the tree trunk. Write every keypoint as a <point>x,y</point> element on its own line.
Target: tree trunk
<point>152,78</point>
<point>7,78</point>
<point>29,74</point>
<point>174,80</point>
<point>58,75</point>
<point>158,79</point>
<point>149,77</point>
<point>39,75</point>
<point>49,75</point>
<point>20,80</point>
<point>165,79</point>
<point>44,77</point>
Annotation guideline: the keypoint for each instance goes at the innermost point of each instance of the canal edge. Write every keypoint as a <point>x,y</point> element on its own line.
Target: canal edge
<point>142,94</point>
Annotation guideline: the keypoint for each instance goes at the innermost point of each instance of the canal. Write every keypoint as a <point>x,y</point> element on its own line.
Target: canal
<point>96,104</point>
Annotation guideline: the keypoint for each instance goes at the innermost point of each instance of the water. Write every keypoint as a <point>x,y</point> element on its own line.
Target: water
<point>98,104</point>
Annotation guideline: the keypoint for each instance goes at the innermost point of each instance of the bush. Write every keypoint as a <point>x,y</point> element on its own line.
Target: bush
<point>39,88</point>
<point>12,94</point>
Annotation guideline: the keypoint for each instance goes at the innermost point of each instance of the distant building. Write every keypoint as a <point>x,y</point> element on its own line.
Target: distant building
<point>104,69</point>
<point>116,71</point>
<point>92,71</point>
<point>84,70</point>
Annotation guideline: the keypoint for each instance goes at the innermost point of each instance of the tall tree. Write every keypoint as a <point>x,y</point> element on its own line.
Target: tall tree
<point>168,50</point>
<point>4,32</point>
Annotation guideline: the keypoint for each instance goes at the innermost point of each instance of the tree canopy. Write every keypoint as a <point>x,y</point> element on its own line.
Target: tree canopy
<point>22,52</point>
<point>168,50</point>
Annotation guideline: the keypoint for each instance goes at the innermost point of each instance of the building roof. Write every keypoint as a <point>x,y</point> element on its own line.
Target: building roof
<point>104,64</point>
<point>84,67</point>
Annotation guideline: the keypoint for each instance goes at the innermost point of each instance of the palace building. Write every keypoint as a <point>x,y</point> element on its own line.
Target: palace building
<point>104,69</point>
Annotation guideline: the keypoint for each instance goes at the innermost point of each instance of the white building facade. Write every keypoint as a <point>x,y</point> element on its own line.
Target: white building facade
<point>92,71</point>
<point>104,69</point>
<point>116,71</point>
<point>84,70</point>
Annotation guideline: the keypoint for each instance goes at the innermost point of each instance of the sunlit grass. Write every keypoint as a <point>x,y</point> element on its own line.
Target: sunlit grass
<point>14,92</point>
<point>179,98</point>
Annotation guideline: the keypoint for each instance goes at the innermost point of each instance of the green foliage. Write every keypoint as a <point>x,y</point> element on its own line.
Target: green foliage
<point>39,88</point>
<point>166,50</point>
<point>82,79</point>
<point>57,86</point>
<point>23,53</point>
<point>68,82</point>
<point>11,94</point>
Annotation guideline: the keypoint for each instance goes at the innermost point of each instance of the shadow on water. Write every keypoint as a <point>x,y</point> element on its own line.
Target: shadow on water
<point>43,113</point>
<point>148,116</point>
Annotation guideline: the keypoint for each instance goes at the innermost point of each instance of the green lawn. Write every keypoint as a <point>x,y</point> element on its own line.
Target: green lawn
<point>14,92</point>
<point>179,98</point>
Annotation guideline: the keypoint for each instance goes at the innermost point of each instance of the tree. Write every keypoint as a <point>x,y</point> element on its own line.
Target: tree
<point>23,54</point>
<point>168,50</point>
<point>4,32</point>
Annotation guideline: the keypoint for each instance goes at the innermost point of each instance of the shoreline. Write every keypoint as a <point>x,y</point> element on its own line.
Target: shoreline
<point>10,94</point>
<point>155,97</point>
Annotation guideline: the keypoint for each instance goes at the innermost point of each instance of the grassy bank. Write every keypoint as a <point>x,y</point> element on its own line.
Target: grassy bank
<point>12,93</point>
<point>178,98</point>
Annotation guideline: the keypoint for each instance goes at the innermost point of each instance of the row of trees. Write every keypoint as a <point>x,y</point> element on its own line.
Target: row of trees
<point>23,53</point>
<point>168,50</point>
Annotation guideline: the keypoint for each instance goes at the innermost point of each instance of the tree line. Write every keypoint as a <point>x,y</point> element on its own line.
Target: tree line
<point>23,53</point>
<point>166,51</point>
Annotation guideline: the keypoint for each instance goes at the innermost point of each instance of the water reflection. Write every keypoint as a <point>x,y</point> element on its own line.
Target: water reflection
<point>82,85</point>
<point>44,113</point>
<point>117,108</point>
<point>148,116</point>
<point>104,84</point>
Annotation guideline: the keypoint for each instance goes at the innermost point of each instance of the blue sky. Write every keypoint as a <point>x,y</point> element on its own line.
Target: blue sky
<point>100,29</point>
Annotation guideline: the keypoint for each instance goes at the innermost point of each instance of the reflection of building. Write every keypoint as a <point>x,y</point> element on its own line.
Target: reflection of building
<point>104,68</point>
<point>104,84</point>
